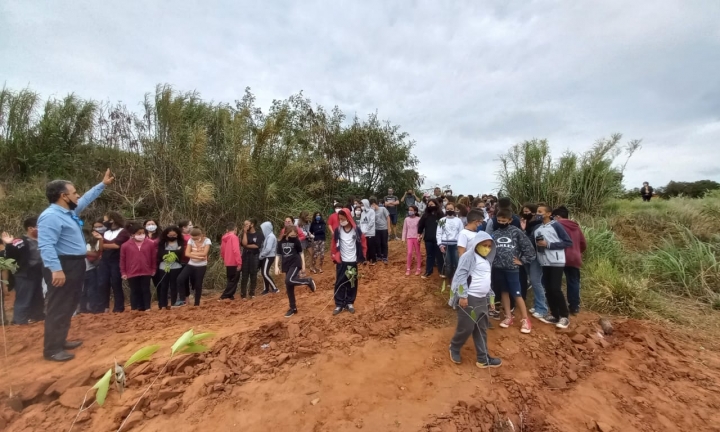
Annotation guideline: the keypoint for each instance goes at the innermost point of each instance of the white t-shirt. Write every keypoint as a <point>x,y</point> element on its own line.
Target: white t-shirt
<point>195,248</point>
<point>110,235</point>
<point>465,236</point>
<point>88,264</point>
<point>480,283</point>
<point>348,249</point>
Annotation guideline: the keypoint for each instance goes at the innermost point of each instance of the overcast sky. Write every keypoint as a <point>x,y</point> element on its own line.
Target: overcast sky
<point>466,79</point>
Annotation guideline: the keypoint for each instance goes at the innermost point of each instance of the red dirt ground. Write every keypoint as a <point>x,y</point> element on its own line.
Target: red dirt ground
<point>386,368</point>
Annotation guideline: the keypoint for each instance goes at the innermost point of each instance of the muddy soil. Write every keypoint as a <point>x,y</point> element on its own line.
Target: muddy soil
<point>385,368</point>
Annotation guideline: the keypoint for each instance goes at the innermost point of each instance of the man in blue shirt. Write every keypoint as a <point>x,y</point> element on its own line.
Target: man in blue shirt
<point>63,250</point>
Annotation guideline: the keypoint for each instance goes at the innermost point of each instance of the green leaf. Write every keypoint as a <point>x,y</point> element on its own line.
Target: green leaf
<point>461,290</point>
<point>201,336</point>
<point>102,387</point>
<point>444,286</point>
<point>143,354</point>
<point>472,315</point>
<point>192,348</point>
<point>182,341</point>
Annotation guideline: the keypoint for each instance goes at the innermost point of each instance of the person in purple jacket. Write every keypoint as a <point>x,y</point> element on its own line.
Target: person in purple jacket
<point>573,257</point>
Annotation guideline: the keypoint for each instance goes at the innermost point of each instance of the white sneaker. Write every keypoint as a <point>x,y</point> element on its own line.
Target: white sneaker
<point>563,323</point>
<point>531,310</point>
<point>536,315</point>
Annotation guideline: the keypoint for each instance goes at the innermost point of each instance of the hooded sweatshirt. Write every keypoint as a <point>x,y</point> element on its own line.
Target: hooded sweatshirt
<point>553,255</point>
<point>410,228</point>
<point>270,244</point>
<point>360,241</point>
<point>511,242</point>
<point>230,250</point>
<point>136,262</point>
<point>573,254</point>
<point>317,229</point>
<point>428,226</point>
<point>471,263</point>
<point>367,219</point>
<point>448,230</point>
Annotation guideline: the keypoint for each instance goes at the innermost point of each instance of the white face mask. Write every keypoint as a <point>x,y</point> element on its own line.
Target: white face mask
<point>140,237</point>
<point>343,223</point>
<point>151,228</point>
<point>337,210</point>
<point>358,212</point>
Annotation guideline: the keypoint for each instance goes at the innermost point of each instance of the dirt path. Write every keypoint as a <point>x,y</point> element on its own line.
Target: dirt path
<point>385,368</point>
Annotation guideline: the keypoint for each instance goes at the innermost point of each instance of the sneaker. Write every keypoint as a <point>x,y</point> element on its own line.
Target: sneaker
<point>455,357</point>
<point>312,285</point>
<point>494,315</point>
<point>275,291</point>
<point>425,276</point>
<point>537,315</point>
<point>417,273</point>
<point>526,326</point>
<point>507,322</point>
<point>563,323</point>
<point>531,310</point>
<point>407,272</point>
<point>350,308</point>
<point>265,292</point>
<point>385,262</point>
<point>442,276</point>
<point>179,303</point>
<point>290,313</point>
<point>574,310</point>
<point>490,362</point>
<point>549,319</point>
<point>337,310</point>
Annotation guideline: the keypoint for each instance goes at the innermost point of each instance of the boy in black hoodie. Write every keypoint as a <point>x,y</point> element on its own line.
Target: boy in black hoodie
<point>29,301</point>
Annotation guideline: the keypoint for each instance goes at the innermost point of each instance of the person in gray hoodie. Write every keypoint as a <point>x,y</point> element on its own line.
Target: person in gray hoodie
<point>367,226</point>
<point>551,240</point>
<point>470,292</point>
<point>267,258</point>
<point>514,250</point>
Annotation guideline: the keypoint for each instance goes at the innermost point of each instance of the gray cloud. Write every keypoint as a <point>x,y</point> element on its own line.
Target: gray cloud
<point>466,80</point>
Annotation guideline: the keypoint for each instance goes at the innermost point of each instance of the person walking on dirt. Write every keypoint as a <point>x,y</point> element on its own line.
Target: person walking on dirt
<point>290,251</point>
<point>348,249</point>
<point>267,258</point>
<point>470,298</point>
<point>62,249</point>
<point>230,254</point>
<point>252,241</point>
<point>448,232</point>
<point>573,257</point>
<point>646,192</point>
<point>29,302</point>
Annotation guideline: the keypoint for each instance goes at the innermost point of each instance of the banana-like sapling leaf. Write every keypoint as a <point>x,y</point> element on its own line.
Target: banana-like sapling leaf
<point>444,286</point>
<point>143,354</point>
<point>193,348</point>
<point>472,315</point>
<point>461,290</point>
<point>182,341</point>
<point>102,387</point>
<point>201,336</point>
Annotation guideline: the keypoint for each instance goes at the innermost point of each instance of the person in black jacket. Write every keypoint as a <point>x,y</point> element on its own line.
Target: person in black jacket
<point>646,191</point>
<point>171,242</point>
<point>427,228</point>
<point>29,302</point>
<point>317,237</point>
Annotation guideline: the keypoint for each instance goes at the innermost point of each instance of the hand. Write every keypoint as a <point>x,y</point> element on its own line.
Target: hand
<point>442,249</point>
<point>58,278</point>
<point>516,261</point>
<point>463,303</point>
<point>239,268</point>
<point>108,179</point>
<point>277,271</point>
<point>97,235</point>
<point>124,277</point>
<point>542,243</point>
<point>7,238</point>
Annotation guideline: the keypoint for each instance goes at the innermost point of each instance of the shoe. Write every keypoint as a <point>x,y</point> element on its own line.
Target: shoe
<point>71,345</point>
<point>407,272</point>
<point>531,310</point>
<point>385,262</point>
<point>312,285</point>
<point>512,312</point>
<point>507,322</point>
<point>563,323</point>
<point>494,315</point>
<point>179,303</point>
<point>417,273</point>
<point>526,326</point>
<point>490,362</point>
<point>168,308</point>
<point>537,315</point>
<point>574,310</point>
<point>62,356</point>
<point>425,276</point>
<point>337,310</point>
<point>252,297</point>
<point>549,319</point>
<point>313,270</point>
<point>275,291</point>
<point>455,357</point>
<point>442,276</point>
<point>265,292</point>
<point>350,308</point>
<point>290,313</point>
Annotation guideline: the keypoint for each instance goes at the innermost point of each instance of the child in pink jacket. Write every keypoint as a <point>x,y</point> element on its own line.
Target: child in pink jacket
<point>230,253</point>
<point>411,237</point>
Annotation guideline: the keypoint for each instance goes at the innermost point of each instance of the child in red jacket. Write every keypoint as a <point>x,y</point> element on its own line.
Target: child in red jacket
<point>573,257</point>
<point>137,266</point>
<point>348,249</point>
<point>230,253</point>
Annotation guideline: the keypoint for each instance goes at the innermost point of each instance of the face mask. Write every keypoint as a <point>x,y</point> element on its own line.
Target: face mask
<point>450,212</point>
<point>151,228</point>
<point>483,251</point>
<point>527,216</point>
<point>343,223</point>
<point>72,205</point>
<point>172,239</point>
<point>288,223</point>
<point>445,202</point>
<point>358,212</point>
<point>479,228</point>
<point>411,213</point>
<point>337,210</point>
<point>108,224</point>
<point>431,209</point>
<point>318,218</point>
<point>100,230</point>
<point>140,237</point>
<point>501,226</point>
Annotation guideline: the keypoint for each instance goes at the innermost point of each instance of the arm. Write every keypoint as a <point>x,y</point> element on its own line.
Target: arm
<point>583,242</point>
<point>277,264</point>
<point>302,255</point>
<point>244,239</point>
<point>236,250</point>
<point>421,226</point>
<point>89,197</point>
<point>249,246</point>
<point>527,251</point>
<point>489,227</point>
<point>48,235</point>
<point>123,262</point>
<point>405,230</point>
<point>565,240</point>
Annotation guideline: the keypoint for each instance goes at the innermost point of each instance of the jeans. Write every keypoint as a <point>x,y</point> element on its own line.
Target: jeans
<point>91,299</point>
<point>477,328</point>
<point>535,271</point>
<point>29,301</point>
<point>345,290</point>
<point>62,302</point>
<point>249,272</point>
<point>413,248</point>
<point>451,260</point>
<point>293,279</point>
<point>552,281</point>
<point>140,296</point>
<point>381,237</point>
<point>434,257</point>
<point>572,277</point>
<point>110,279</point>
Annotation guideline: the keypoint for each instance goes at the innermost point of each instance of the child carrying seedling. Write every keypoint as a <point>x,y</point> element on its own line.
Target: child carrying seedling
<point>470,297</point>
<point>348,249</point>
<point>513,249</point>
<point>293,264</point>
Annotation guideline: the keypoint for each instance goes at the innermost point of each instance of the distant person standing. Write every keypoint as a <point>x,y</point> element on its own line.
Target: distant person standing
<point>391,204</point>
<point>29,302</point>
<point>411,199</point>
<point>646,192</point>
<point>63,251</point>
<point>383,221</point>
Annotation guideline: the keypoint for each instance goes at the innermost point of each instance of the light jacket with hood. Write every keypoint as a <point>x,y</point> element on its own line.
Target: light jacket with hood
<point>270,244</point>
<point>367,219</point>
<point>573,254</point>
<point>230,250</point>
<point>557,239</point>
<point>465,268</point>
<point>360,241</point>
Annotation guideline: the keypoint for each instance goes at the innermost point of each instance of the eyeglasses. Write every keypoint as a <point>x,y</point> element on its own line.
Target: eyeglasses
<point>77,219</point>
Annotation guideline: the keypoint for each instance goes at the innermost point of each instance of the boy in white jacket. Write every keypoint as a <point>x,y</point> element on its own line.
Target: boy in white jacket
<point>448,232</point>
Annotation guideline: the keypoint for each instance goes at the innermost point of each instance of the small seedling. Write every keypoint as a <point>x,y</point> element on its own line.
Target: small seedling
<point>8,264</point>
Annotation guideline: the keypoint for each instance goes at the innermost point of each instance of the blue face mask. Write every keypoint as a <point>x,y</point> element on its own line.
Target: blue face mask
<point>479,228</point>
<point>317,218</point>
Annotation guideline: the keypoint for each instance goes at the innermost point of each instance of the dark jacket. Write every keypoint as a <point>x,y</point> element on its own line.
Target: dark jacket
<point>360,241</point>
<point>573,254</point>
<point>427,227</point>
<point>317,229</point>
<point>26,254</point>
<point>511,242</point>
<point>161,251</point>
<point>649,192</point>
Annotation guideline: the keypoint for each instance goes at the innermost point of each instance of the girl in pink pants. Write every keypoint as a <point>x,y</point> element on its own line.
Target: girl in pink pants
<point>411,237</point>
